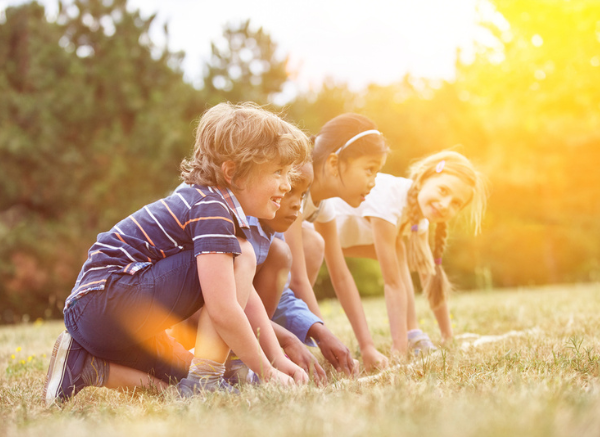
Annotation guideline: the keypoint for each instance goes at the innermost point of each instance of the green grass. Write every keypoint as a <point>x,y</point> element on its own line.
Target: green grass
<point>544,383</point>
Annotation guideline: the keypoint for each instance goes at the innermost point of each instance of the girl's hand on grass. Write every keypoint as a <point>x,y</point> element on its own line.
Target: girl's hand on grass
<point>374,360</point>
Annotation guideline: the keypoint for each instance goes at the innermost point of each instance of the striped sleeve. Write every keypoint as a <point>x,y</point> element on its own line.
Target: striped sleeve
<point>212,227</point>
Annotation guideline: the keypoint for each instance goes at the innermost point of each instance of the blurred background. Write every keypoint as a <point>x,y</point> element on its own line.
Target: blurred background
<point>99,99</point>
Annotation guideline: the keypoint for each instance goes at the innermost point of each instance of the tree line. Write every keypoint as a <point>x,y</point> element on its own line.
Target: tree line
<point>95,119</point>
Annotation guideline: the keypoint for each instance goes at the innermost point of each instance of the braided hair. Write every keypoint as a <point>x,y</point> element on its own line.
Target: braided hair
<point>420,256</point>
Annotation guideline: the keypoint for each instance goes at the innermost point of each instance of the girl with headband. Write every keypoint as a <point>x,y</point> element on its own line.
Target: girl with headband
<point>348,152</point>
<point>398,210</point>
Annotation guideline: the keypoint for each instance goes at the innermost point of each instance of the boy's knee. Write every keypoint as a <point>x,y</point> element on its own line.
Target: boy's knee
<point>280,255</point>
<point>246,261</point>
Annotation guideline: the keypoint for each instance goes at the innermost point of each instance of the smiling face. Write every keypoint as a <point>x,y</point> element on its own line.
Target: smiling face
<point>442,196</point>
<point>291,203</point>
<point>358,178</point>
<point>260,193</point>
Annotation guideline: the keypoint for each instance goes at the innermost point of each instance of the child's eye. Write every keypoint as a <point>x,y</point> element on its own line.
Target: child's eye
<point>279,172</point>
<point>443,191</point>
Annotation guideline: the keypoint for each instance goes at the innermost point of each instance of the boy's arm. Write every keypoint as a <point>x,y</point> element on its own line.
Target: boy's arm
<point>293,314</point>
<point>217,280</point>
<point>298,353</point>
<point>300,282</point>
<point>258,318</point>
<point>347,293</point>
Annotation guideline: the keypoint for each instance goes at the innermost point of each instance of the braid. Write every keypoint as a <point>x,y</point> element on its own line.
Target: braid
<point>419,255</point>
<point>438,286</point>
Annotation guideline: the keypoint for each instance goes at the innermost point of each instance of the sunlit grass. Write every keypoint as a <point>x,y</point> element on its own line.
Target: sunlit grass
<point>542,383</point>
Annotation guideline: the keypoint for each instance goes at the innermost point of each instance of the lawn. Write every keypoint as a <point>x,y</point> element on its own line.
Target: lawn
<point>539,379</point>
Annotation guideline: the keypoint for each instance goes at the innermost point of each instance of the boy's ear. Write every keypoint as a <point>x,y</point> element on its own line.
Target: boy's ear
<point>228,169</point>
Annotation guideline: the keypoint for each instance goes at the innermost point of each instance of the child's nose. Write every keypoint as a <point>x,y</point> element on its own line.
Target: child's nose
<point>445,203</point>
<point>285,185</point>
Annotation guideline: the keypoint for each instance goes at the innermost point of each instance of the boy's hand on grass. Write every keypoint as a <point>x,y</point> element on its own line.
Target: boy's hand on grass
<point>334,350</point>
<point>287,367</point>
<point>278,377</point>
<point>301,356</point>
<point>374,360</point>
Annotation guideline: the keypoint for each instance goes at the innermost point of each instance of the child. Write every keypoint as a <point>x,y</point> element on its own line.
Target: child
<point>190,250</point>
<point>298,324</point>
<point>440,186</point>
<point>295,323</point>
<point>348,153</point>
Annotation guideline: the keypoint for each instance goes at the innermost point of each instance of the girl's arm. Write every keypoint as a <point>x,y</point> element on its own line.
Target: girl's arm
<point>347,293</point>
<point>396,279</point>
<point>442,315</point>
<point>300,283</point>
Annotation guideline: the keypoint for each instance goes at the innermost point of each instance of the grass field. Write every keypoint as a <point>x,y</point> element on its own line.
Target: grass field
<point>540,381</point>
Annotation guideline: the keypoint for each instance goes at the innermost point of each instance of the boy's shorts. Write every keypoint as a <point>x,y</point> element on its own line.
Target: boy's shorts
<point>125,323</point>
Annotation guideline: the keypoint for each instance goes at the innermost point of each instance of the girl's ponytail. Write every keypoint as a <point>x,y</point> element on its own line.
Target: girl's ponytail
<point>438,286</point>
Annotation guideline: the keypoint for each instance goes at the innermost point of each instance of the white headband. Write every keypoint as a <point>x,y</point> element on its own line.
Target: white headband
<point>356,137</point>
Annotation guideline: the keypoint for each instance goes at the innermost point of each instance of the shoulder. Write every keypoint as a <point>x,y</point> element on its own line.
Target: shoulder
<point>200,201</point>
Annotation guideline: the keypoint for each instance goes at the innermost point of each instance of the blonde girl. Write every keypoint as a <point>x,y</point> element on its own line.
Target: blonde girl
<point>393,226</point>
<point>348,152</point>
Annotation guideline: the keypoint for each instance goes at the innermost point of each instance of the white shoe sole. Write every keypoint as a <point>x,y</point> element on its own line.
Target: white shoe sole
<point>56,371</point>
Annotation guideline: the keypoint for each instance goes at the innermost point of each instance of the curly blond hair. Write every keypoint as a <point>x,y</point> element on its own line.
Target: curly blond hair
<point>245,134</point>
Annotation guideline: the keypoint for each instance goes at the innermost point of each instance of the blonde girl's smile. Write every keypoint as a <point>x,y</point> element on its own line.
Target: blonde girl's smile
<point>442,197</point>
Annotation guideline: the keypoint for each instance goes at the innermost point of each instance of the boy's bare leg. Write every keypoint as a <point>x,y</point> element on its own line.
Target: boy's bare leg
<point>121,377</point>
<point>209,343</point>
<point>211,351</point>
<point>314,251</point>
<point>185,331</point>
<point>270,279</point>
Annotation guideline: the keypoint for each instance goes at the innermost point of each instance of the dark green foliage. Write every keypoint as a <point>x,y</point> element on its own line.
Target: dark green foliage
<point>94,123</point>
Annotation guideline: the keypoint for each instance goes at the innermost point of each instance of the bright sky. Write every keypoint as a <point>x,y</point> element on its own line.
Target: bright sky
<point>352,41</point>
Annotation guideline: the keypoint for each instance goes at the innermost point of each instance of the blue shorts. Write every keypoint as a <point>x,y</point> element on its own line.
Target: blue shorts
<point>125,323</point>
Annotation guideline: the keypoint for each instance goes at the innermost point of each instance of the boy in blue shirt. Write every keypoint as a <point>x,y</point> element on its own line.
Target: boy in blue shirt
<point>291,314</point>
<point>190,250</point>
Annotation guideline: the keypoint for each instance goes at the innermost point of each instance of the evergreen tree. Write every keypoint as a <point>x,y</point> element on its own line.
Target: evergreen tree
<point>244,66</point>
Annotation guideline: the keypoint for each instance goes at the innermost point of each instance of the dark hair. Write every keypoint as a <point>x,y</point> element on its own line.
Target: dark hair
<point>337,131</point>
